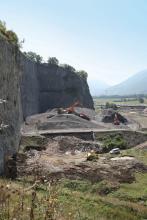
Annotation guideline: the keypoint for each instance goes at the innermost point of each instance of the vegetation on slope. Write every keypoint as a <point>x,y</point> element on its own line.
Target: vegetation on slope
<point>9,35</point>
<point>35,199</point>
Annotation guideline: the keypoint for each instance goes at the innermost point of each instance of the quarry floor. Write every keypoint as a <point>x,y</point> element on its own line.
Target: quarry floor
<point>58,146</point>
<point>51,123</point>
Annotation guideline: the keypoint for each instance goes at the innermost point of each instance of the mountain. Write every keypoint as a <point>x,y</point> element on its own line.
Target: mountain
<point>137,84</point>
<point>97,87</point>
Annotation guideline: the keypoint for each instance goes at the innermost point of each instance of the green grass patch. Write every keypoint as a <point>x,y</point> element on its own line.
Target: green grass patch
<point>135,192</point>
<point>112,141</point>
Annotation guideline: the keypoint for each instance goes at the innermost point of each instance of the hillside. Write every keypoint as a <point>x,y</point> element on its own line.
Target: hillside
<point>133,85</point>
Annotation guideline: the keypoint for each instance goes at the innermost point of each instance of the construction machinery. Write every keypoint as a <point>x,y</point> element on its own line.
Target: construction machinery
<point>71,110</point>
<point>116,120</point>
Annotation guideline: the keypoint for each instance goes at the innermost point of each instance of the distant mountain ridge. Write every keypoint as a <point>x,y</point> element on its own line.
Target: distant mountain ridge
<point>137,84</point>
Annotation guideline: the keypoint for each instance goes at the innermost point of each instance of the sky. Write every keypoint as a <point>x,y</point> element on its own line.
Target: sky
<point>106,38</point>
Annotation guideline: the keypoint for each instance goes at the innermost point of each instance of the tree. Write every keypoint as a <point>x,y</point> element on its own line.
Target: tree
<point>12,37</point>
<point>83,74</point>
<point>53,61</point>
<point>9,35</point>
<point>68,68</point>
<point>33,57</point>
<point>3,28</point>
<point>141,100</point>
<point>111,105</point>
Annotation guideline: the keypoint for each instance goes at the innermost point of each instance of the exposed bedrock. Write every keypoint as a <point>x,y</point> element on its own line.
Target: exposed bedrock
<point>60,88</point>
<point>10,103</point>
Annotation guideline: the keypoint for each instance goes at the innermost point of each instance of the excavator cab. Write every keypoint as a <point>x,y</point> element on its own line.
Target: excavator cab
<point>116,120</point>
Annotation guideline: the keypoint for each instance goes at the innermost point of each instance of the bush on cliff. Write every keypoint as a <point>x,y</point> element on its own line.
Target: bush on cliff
<point>33,57</point>
<point>83,74</point>
<point>9,35</point>
<point>68,68</point>
<point>53,61</point>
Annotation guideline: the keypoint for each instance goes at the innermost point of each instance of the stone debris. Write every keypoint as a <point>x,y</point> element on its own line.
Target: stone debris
<point>66,157</point>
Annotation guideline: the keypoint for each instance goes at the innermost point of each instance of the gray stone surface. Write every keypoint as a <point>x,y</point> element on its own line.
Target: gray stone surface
<point>45,87</point>
<point>10,111</point>
<point>61,88</point>
<point>29,87</point>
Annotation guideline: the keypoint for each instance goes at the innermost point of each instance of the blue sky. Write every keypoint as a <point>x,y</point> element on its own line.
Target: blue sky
<point>107,38</point>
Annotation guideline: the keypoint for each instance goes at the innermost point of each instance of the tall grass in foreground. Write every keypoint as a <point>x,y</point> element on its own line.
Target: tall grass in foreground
<point>28,203</point>
<point>35,198</point>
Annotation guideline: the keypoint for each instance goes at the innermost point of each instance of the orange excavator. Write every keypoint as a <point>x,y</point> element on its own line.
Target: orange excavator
<point>71,110</point>
<point>116,120</point>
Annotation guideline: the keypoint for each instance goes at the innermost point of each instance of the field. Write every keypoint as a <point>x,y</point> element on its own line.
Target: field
<point>129,101</point>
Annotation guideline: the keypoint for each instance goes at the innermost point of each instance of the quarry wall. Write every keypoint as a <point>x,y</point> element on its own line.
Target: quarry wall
<point>10,107</point>
<point>48,86</point>
<point>30,88</point>
<point>61,88</point>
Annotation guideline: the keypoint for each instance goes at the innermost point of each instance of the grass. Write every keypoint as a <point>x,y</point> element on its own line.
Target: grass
<point>73,200</point>
<point>111,141</point>
<point>139,154</point>
<point>84,202</point>
<point>135,192</point>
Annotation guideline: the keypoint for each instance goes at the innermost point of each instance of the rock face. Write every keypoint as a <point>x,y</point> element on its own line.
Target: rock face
<point>10,109</point>
<point>44,87</point>
<point>60,88</point>
<point>30,88</point>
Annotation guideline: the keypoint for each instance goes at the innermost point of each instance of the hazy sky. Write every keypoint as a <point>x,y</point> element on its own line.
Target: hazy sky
<point>107,38</point>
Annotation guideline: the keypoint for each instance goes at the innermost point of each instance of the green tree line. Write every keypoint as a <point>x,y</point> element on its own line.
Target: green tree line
<point>53,61</point>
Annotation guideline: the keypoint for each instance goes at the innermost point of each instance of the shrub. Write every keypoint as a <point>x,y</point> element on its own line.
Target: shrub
<point>68,68</point>
<point>113,142</point>
<point>3,27</point>
<point>9,35</point>
<point>12,37</point>
<point>83,74</point>
<point>111,105</point>
<point>53,61</point>
<point>141,100</point>
<point>33,57</point>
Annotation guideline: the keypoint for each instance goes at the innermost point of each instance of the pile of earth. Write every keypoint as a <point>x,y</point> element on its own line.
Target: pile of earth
<point>59,144</point>
<point>108,116</point>
<point>51,120</point>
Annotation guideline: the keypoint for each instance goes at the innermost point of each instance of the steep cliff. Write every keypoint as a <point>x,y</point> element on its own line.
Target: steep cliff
<point>59,87</point>
<point>29,87</point>
<point>48,86</point>
<point>10,109</point>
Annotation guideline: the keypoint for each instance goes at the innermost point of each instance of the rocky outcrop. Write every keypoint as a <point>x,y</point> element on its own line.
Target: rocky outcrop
<point>10,107</point>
